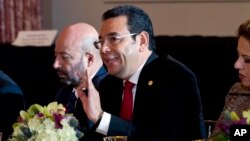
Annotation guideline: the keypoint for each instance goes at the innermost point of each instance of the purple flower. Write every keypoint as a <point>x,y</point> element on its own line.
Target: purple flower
<point>224,127</point>
<point>57,119</point>
<point>242,121</point>
<point>40,115</point>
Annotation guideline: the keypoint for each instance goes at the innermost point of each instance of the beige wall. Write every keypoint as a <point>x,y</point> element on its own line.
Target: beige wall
<point>189,18</point>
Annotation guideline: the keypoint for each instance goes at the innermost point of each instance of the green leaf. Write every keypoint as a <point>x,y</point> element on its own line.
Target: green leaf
<point>35,109</point>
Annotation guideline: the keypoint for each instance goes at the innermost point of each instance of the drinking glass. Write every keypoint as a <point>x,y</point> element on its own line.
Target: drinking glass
<point>1,135</point>
<point>115,138</point>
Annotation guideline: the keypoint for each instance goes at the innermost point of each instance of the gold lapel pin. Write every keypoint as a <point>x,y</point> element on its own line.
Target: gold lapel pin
<point>150,82</point>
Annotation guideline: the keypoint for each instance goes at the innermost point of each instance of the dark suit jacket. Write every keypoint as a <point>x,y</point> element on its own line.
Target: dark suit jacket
<point>168,110</point>
<point>73,105</point>
<point>11,102</point>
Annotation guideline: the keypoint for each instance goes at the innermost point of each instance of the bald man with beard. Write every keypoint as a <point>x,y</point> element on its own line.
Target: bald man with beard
<point>74,52</point>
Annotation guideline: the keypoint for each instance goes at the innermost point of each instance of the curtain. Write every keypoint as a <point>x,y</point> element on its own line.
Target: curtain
<point>16,15</point>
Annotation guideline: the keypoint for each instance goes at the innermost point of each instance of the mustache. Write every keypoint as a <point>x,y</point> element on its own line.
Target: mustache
<point>60,71</point>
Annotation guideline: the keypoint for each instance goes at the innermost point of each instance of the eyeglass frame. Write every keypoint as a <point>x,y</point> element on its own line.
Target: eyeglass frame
<point>99,44</point>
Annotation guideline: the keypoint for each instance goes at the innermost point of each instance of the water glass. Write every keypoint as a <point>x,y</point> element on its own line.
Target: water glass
<point>115,138</point>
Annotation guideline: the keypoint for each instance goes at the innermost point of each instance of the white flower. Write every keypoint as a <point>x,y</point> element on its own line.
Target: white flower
<point>45,124</point>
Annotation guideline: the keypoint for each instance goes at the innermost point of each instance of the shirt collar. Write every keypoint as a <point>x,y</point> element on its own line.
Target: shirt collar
<point>134,78</point>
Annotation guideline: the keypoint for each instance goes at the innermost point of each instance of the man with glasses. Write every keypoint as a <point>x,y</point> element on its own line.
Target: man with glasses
<point>144,97</point>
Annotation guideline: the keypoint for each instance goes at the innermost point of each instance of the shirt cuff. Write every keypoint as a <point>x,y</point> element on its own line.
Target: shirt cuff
<point>104,124</point>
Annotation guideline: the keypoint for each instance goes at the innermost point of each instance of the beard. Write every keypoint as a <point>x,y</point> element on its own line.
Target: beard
<point>71,77</point>
<point>67,77</point>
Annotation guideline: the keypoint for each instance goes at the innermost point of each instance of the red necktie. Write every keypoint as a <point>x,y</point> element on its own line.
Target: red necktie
<point>127,102</point>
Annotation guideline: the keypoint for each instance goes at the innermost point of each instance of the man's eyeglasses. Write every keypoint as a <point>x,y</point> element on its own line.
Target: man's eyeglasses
<point>111,40</point>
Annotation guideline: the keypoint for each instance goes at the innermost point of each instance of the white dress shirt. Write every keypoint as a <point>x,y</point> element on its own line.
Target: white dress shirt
<point>105,121</point>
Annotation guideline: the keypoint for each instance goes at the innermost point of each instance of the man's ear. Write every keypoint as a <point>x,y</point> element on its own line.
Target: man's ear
<point>144,40</point>
<point>90,59</point>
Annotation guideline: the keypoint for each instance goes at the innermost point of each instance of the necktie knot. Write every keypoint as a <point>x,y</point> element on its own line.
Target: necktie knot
<point>128,85</point>
<point>127,102</point>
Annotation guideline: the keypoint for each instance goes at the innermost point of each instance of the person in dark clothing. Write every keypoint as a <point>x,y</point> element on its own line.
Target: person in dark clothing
<point>11,102</point>
<point>144,97</point>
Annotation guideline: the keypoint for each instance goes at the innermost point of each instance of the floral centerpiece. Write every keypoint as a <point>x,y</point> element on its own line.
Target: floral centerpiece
<point>48,123</point>
<point>230,118</point>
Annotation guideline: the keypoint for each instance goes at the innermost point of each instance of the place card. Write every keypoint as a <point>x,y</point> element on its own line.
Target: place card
<point>35,38</point>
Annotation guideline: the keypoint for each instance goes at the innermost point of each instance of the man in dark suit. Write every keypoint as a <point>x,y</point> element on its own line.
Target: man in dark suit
<point>166,102</point>
<point>11,102</point>
<point>75,52</point>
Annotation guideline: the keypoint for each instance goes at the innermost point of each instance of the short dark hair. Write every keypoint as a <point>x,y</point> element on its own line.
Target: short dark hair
<point>138,20</point>
<point>244,30</point>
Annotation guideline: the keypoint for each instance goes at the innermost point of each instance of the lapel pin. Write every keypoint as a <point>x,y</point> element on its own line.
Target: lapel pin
<point>150,82</point>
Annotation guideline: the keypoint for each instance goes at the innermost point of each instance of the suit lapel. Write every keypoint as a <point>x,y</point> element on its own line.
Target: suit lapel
<point>99,76</point>
<point>144,87</point>
<point>111,94</point>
